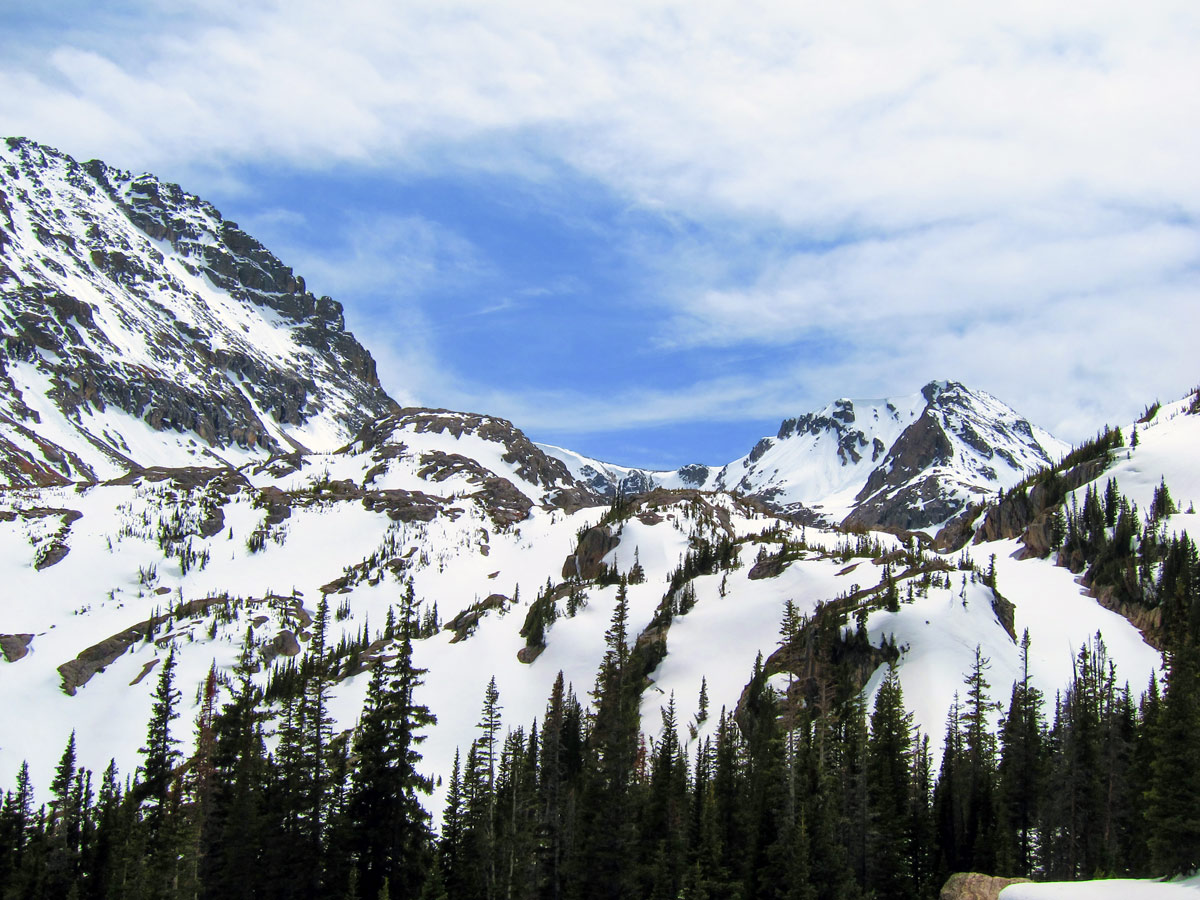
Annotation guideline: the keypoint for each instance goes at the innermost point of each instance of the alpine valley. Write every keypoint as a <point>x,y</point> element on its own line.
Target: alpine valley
<point>200,465</point>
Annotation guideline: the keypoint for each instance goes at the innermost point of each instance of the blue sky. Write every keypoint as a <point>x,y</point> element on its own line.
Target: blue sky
<point>649,231</point>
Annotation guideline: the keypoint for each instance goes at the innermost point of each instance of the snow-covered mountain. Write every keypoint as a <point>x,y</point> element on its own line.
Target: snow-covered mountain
<point>198,454</point>
<point>226,565</point>
<point>906,463</point>
<point>141,328</point>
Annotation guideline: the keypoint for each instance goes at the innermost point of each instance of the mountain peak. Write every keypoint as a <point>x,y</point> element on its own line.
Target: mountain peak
<point>907,462</point>
<point>140,327</point>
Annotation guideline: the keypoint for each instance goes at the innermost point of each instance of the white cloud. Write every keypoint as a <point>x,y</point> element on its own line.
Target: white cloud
<point>816,116</point>
<point>1018,176</point>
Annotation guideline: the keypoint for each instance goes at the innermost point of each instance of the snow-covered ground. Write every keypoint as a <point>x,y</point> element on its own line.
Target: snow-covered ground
<point>1110,889</point>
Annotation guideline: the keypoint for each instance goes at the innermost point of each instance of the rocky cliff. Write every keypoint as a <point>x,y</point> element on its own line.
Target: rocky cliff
<point>138,326</point>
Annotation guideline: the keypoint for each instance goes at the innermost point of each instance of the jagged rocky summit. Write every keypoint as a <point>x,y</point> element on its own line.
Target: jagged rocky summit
<point>904,463</point>
<point>139,327</point>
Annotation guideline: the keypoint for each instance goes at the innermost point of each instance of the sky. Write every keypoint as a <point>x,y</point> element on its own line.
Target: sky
<point>648,230</point>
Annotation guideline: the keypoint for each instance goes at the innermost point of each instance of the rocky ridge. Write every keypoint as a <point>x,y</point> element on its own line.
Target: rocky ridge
<point>905,463</point>
<point>139,327</point>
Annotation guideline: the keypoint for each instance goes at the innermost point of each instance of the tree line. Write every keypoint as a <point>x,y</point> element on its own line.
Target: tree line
<point>582,806</point>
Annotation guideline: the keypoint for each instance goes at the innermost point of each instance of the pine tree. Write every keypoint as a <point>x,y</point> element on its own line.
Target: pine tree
<point>450,845</point>
<point>921,826</point>
<point>1161,505</point>
<point>65,825</point>
<point>889,790</point>
<point>1175,792</point>
<point>160,754</point>
<point>664,819</point>
<point>16,825</point>
<point>980,758</point>
<point>489,724</point>
<point>387,825</point>
<point>558,765</point>
<point>160,791</point>
<point>950,796</point>
<point>233,830</point>
<point>1020,773</point>
<point>607,814</point>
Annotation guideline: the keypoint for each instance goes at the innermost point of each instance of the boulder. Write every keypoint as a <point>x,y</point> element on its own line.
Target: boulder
<point>976,886</point>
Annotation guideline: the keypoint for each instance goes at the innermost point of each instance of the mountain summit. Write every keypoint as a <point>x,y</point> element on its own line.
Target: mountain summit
<point>142,328</point>
<point>906,463</point>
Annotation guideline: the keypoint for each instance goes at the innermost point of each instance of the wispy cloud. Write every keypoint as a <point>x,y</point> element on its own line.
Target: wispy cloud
<point>1006,194</point>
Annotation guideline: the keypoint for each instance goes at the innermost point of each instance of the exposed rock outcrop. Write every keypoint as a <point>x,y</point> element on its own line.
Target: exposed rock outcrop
<point>594,544</point>
<point>78,671</point>
<point>15,646</point>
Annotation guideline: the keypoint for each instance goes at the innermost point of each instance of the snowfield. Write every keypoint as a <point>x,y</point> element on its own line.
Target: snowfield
<point>1110,889</point>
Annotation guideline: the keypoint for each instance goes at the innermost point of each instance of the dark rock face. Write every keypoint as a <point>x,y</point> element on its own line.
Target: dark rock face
<point>1027,514</point>
<point>957,533</point>
<point>769,567</point>
<point>77,672</point>
<point>922,503</point>
<point>15,646</point>
<point>172,329</point>
<point>594,545</point>
<point>816,662</point>
<point>851,441</point>
<point>921,445</point>
<point>465,622</point>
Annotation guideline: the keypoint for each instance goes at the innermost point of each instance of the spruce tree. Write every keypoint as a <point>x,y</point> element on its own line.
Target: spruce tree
<point>1175,792</point>
<point>489,724</point>
<point>889,790</point>
<point>980,759</point>
<point>234,829</point>
<point>160,754</point>
<point>388,827</point>
<point>160,792</point>
<point>1020,774</point>
<point>607,814</point>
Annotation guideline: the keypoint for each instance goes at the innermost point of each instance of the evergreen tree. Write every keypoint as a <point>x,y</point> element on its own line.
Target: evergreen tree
<point>16,832</point>
<point>159,790</point>
<point>1175,791</point>
<point>489,724</point>
<point>450,846</point>
<point>950,796</point>
<point>386,823</point>
<point>607,816</point>
<point>233,830</point>
<point>979,745</point>
<point>160,754</point>
<point>1089,815</point>
<point>1020,774</point>
<point>921,826</point>
<point>889,792</point>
